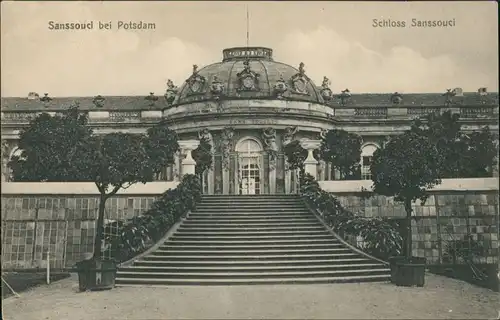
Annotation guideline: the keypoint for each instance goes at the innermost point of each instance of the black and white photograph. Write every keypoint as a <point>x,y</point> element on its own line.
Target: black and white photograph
<point>249,160</point>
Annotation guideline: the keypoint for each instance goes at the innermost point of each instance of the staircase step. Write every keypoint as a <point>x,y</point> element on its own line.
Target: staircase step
<point>258,242</point>
<point>252,247</point>
<point>262,263</point>
<point>190,232</point>
<point>234,252</point>
<point>249,274</point>
<point>243,228</point>
<point>231,203</point>
<point>255,209</point>
<point>283,257</point>
<point>232,275</point>
<point>242,215</point>
<point>270,281</point>
<point>268,268</point>
<point>249,225</point>
<point>250,196</point>
<point>249,206</point>
<point>248,238</point>
<point>251,219</point>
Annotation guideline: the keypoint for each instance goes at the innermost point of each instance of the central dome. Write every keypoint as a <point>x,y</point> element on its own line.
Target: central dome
<point>248,73</point>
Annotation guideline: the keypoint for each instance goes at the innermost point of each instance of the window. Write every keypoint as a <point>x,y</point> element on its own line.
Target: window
<point>365,168</point>
<point>366,160</point>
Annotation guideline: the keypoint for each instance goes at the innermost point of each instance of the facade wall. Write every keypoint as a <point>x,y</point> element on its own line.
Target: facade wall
<point>34,222</point>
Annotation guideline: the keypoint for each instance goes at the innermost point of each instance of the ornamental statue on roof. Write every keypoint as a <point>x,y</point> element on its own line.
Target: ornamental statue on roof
<point>171,92</point>
<point>326,92</point>
<point>300,81</point>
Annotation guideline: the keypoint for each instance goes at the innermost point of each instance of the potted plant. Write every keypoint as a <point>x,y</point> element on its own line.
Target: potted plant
<point>405,168</point>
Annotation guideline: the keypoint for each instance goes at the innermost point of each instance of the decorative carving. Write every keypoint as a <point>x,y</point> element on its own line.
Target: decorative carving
<point>271,147</point>
<point>326,92</point>
<point>396,98</point>
<point>449,94</point>
<point>300,81</point>
<point>226,146</point>
<point>98,101</point>
<point>248,79</point>
<point>171,92</point>
<point>280,87</point>
<point>46,98</point>
<point>323,133</point>
<point>289,135</point>
<point>344,97</point>
<point>205,134</point>
<point>217,87</point>
<point>196,82</point>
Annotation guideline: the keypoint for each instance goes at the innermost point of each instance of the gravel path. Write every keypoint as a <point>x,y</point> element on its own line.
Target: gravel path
<point>441,298</point>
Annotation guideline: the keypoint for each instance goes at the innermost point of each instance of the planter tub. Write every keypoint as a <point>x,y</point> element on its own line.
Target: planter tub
<point>394,267</point>
<point>410,272</point>
<point>96,274</point>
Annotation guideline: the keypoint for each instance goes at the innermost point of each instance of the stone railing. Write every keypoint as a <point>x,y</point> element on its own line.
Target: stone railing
<point>477,112</point>
<point>119,116</point>
<point>421,111</point>
<point>373,112</point>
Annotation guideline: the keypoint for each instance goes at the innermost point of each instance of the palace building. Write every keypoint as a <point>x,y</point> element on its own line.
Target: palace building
<point>250,106</point>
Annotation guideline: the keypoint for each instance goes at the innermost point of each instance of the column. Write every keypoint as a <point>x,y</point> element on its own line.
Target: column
<point>188,164</point>
<point>310,164</point>
<point>288,177</point>
<point>272,173</point>
<point>226,162</point>
<point>322,168</point>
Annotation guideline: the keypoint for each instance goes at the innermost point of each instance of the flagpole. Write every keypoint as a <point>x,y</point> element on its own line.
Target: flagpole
<point>248,27</point>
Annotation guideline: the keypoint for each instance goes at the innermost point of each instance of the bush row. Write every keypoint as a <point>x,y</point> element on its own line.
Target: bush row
<point>380,235</point>
<point>126,239</point>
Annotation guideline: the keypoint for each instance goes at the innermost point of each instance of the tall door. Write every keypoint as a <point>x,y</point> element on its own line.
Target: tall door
<point>249,182</point>
<point>249,173</point>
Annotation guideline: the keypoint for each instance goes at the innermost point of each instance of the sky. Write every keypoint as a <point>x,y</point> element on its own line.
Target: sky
<point>333,39</point>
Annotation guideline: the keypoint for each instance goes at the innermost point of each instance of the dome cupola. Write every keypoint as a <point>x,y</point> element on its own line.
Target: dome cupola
<point>248,73</point>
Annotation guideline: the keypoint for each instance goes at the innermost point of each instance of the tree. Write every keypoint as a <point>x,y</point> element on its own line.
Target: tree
<point>50,148</point>
<point>64,148</point>
<point>203,156</point>
<point>462,155</point>
<point>406,167</point>
<point>343,150</point>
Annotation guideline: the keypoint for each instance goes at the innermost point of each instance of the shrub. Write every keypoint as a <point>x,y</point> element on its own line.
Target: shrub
<point>126,239</point>
<point>381,237</point>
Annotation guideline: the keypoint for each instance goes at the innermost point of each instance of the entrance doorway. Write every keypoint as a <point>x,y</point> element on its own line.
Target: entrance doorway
<point>249,169</point>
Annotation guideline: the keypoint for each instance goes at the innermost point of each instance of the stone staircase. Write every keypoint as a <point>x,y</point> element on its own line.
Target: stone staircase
<point>264,239</point>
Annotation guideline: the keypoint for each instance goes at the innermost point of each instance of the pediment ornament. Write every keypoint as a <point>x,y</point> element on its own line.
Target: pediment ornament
<point>196,82</point>
<point>248,79</point>
<point>300,81</point>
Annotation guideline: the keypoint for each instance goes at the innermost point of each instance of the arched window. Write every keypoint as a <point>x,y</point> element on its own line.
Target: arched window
<point>367,152</point>
<point>248,146</point>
